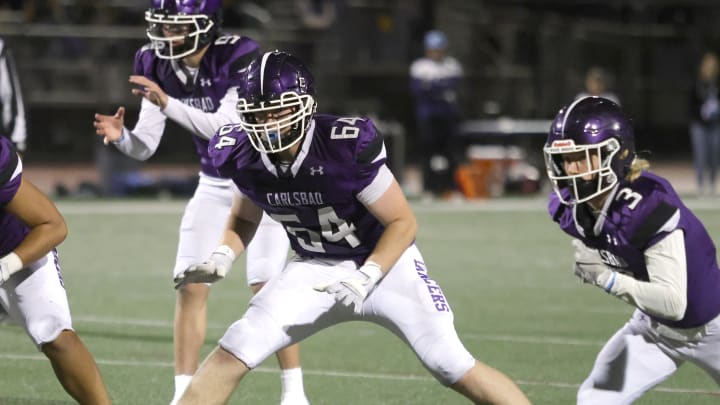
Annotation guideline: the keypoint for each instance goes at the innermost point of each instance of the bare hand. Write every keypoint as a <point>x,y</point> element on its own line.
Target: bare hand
<point>110,127</point>
<point>150,90</point>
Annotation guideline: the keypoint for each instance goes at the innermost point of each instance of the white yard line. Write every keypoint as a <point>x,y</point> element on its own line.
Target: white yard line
<point>166,324</point>
<point>350,374</point>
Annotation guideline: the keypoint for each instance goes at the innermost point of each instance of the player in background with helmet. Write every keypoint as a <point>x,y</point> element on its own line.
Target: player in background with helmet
<point>325,179</point>
<point>634,238</point>
<point>190,73</point>
<point>31,285</point>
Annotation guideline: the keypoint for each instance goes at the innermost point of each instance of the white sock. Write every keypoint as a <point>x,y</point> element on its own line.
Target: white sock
<point>292,382</point>
<point>181,383</point>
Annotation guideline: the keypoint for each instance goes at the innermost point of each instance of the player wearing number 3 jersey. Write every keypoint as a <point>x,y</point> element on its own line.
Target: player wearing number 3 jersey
<point>325,179</point>
<point>634,238</point>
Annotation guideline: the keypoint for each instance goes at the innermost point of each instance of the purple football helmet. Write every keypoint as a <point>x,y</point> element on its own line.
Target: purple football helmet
<point>276,102</point>
<point>597,127</point>
<point>178,28</point>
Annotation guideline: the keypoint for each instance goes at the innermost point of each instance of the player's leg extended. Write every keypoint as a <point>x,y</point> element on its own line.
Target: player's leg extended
<point>629,364</point>
<point>75,368</point>
<point>706,352</point>
<point>293,391</point>
<point>488,385</point>
<point>216,379</point>
<point>284,312</point>
<point>189,327</point>
<point>35,298</point>
<point>412,305</point>
<point>201,229</point>
<point>266,257</point>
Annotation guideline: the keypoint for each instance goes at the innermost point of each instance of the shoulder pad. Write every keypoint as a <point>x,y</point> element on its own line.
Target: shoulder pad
<point>225,146</point>
<point>144,58</point>
<point>235,50</point>
<point>655,220</point>
<point>648,210</point>
<point>555,207</point>
<point>370,145</point>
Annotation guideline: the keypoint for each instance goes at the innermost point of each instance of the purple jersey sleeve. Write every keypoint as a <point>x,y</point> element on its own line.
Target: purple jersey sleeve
<point>228,149</point>
<point>369,154</point>
<point>13,230</point>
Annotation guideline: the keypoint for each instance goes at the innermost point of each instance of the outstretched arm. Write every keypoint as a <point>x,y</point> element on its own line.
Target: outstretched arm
<point>143,140</point>
<point>393,211</point>
<point>202,123</point>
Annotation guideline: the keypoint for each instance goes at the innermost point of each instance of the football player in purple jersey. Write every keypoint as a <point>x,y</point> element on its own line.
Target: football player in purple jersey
<point>31,285</point>
<point>325,179</point>
<point>634,238</point>
<point>189,73</point>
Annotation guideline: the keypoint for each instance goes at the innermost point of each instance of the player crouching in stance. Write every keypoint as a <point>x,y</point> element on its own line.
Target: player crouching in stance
<point>31,287</point>
<point>324,178</point>
<point>634,238</point>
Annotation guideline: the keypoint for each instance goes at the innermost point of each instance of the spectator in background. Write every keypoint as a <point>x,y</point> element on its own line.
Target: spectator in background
<point>12,108</point>
<point>597,83</point>
<point>705,121</point>
<point>434,80</point>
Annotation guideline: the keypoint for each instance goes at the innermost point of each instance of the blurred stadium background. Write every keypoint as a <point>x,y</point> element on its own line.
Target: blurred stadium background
<point>523,59</point>
<point>516,303</point>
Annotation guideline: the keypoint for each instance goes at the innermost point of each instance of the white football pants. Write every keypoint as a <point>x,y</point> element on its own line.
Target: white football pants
<point>406,301</point>
<point>35,298</point>
<point>203,226</point>
<point>642,354</point>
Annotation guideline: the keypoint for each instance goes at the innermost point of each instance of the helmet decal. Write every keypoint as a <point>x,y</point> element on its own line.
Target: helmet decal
<point>277,102</point>
<point>599,128</point>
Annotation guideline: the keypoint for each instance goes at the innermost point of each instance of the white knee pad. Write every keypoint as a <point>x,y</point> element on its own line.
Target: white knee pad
<point>254,337</point>
<point>445,358</point>
<point>48,328</point>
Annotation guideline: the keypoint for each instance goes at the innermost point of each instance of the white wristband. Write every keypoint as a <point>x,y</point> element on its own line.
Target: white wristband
<point>227,251</point>
<point>372,270</point>
<point>13,262</point>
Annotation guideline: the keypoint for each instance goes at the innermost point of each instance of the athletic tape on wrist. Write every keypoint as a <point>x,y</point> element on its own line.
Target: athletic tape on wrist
<point>227,251</point>
<point>611,282</point>
<point>13,262</point>
<point>372,270</point>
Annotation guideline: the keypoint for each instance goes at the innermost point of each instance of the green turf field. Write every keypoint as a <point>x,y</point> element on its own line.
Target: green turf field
<point>504,266</point>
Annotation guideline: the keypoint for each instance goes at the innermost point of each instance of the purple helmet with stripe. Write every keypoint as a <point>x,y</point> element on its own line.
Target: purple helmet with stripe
<point>598,128</point>
<point>178,28</point>
<point>277,102</point>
